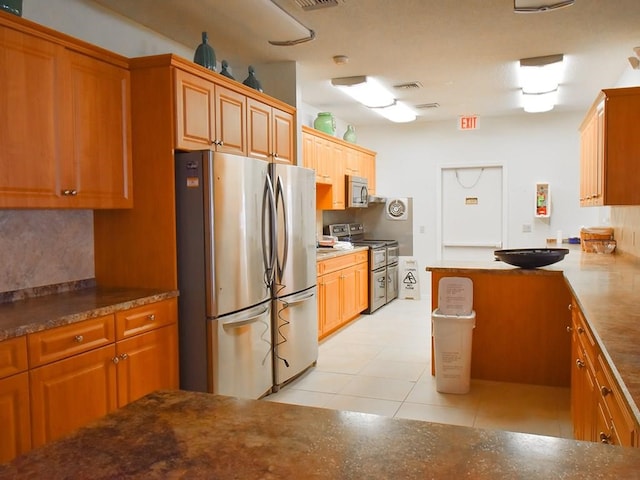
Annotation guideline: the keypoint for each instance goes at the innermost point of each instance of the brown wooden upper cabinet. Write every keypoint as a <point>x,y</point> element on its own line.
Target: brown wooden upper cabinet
<point>270,133</point>
<point>65,118</point>
<point>209,115</point>
<point>610,149</point>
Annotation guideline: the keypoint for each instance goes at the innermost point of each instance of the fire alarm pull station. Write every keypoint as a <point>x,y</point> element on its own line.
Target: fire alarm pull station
<point>543,200</point>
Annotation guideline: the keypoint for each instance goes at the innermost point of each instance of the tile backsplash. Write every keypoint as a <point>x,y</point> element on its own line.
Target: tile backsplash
<point>45,247</point>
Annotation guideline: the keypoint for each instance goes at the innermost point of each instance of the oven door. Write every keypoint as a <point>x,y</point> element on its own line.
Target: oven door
<point>377,258</point>
<point>392,282</point>
<point>377,289</point>
<point>392,254</point>
<point>357,191</point>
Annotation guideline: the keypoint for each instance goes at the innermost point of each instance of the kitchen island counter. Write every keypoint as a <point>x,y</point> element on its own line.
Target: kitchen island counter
<point>177,434</point>
<point>607,290</point>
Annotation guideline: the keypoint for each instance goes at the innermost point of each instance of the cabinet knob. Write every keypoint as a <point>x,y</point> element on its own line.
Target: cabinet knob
<point>69,193</point>
<point>151,317</point>
<point>78,339</point>
<point>605,391</point>
<point>123,356</point>
<point>275,155</point>
<point>604,438</point>
<point>570,307</point>
<point>569,329</point>
<point>579,363</point>
<point>580,330</point>
<point>115,360</point>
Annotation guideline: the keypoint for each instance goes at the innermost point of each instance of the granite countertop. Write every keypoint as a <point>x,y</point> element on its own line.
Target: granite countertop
<point>199,435</point>
<point>322,253</point>
<point>607,289</point>
<point>48,311</point>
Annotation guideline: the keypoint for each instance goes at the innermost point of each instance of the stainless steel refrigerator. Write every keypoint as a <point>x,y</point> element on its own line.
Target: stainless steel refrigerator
<point>234,266</point>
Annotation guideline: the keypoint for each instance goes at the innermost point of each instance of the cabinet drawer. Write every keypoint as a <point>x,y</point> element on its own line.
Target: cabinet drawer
<point>147,317</point>
<point>610,394</point>
<point>361,257</point>
<point>61,342</point>
<point>13,356</point>
<point>583,333</point>
<point>337,263</point>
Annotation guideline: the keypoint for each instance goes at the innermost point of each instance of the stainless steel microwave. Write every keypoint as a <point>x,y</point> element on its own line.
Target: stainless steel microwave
<point>357,191</point>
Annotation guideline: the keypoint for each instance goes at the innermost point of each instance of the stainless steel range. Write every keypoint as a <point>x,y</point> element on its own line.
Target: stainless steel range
<point>383,262</point>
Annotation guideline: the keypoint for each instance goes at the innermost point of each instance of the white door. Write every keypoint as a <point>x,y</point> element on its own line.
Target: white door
<point>472,212</point>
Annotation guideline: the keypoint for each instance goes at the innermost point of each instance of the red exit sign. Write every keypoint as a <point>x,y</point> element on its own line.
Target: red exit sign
<point>468,122</point>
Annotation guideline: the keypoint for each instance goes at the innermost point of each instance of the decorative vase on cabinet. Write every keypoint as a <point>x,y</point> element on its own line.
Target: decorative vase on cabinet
<point>350,134</point>
<point>325,123</point>
<point>205,54</point>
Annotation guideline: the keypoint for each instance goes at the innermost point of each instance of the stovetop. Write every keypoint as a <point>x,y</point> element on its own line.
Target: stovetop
<point>355,233</point>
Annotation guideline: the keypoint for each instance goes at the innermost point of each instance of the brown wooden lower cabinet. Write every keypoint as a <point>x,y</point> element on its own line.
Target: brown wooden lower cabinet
<point>80,372</point>
<point>598,410</point>
<point>342,290</point>
<point>15,433</point>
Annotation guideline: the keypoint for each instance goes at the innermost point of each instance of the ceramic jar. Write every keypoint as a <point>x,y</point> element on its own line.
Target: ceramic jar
<point>205,55</point>
<point>350,134</point>
<point>325,123</point>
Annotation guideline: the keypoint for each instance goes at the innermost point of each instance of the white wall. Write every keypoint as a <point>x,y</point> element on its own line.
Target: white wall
<point>535,148</point>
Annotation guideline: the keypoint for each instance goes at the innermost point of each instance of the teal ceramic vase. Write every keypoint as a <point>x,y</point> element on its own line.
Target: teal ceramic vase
<point>325,123</point>
<point>350,134</point>
<point>251,80</point>
<point>205,55</point>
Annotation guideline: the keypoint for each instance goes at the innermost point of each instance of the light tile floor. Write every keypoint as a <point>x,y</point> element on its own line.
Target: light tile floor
<point>381,364</point>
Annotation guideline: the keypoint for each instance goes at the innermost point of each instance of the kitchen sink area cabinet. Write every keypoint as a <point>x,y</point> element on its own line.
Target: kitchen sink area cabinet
<point>15,437</point>
<point>609,149</point>
<point>81,154</point>
<point>598,410</point>
<point>56,380</point>
<point>342,290</point>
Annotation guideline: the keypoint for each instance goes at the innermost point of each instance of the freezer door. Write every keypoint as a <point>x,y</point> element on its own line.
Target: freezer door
<point>238,236</point>
<point>295,195</point>
<point>295,335</point>
<point>240,353</point>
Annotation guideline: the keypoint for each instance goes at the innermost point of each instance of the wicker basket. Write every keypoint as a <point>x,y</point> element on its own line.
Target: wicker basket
<point>589,235</point>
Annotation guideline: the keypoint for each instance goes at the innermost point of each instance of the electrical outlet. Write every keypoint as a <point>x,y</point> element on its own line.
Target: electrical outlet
<point>526,228</point>
<point>421,228</point>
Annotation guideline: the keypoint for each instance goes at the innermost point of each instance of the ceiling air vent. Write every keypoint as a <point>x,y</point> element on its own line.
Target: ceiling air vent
<point>408,86</point>
<point>316,4</point>
<point>425,106</point>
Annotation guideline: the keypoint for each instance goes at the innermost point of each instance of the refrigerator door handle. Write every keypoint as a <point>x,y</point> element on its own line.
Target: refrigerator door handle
<point>299,300</point>
<point>280,197</point>
<point>245,321</point>
<point>269,247</point>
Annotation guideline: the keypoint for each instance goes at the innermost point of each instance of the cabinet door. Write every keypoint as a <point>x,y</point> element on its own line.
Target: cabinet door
<point>195,111</point>
<point>145,318</point>
<point>330,286</point>
<point>70,393</point>
<point>362,286</point>
<point>283,133</point>
<point>30,99</point>
<point>323,161</point>
<point>100,175</point>
<point>367,166</point>
<point>349,293</point>
<point>309,153</point>
<point>15,434</point>
<point>337,176</point>
<point>230,121</point>
<point>147,362</point>
<point>259,128</point>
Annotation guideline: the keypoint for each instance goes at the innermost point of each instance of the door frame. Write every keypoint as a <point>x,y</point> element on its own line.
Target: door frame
<point>439,219</point>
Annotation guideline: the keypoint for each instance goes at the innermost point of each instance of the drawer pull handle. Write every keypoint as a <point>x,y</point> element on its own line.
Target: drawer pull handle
<point>151,317</point>
<point>604,438</point>
<point>78,339</point>
<point>605,391</point>
<point>579,363</point>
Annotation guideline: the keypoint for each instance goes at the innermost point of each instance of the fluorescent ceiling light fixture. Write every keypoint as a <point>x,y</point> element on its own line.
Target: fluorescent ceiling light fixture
<point>538,6</point>
<point>539,102</point>
<point>372,94</point>
<point>368,91</point>
<point>398,112</point>
<point>539,79</point>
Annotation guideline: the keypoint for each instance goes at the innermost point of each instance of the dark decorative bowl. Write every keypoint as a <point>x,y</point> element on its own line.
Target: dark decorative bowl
<point>531,257</point>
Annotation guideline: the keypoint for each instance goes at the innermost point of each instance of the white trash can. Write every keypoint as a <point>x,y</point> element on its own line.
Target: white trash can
<point>452,335</point>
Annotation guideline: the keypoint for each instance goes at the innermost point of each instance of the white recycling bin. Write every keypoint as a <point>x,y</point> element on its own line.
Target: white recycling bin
<point>452,343</point>
<point>452,325</point>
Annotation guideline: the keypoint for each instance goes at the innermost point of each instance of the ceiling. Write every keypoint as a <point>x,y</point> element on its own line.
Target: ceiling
<point>463,53</point>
